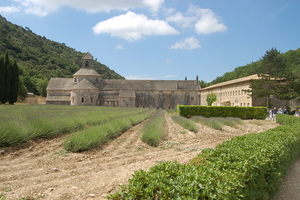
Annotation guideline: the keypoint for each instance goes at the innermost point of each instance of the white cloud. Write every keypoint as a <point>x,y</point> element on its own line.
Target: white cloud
<point>154,5</point>
<point>148,77</point>
<point>204,21</point>
<point>44,7</point>
<point>9,9</point>
<point>181,20</point>
<point>120,47</point>
<point>133,27</point>
<point>209,23</point>
<point>188,43</point>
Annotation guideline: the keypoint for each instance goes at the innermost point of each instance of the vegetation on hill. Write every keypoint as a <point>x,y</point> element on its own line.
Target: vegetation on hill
<point>39,58</point>
<point>279,75</point>
<point>292,61</point>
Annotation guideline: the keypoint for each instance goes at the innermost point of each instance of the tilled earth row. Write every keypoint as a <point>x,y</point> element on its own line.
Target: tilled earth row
<point>41,169</point>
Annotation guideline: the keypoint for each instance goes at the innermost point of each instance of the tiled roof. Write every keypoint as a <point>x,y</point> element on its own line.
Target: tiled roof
<point>87,56</point>
<point>60,84</point>
<point>235,81</point>
<point>123,85</point>
<point>127,93</point>
<point>84,84</point>
<point>86,72</point>
<point>119,84</point>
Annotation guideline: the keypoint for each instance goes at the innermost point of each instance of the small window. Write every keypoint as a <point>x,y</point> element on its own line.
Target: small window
<point>82,100</point>
<point>75,80</point>
<point>92,100</point>
<point>192,98</point>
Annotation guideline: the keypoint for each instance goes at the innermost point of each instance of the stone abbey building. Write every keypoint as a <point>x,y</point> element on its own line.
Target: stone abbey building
<point>88,88</point>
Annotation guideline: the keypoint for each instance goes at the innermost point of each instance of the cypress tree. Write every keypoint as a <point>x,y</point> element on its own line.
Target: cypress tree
<point>2,78</point>
<point>7,76</point>
<point>14,83</point>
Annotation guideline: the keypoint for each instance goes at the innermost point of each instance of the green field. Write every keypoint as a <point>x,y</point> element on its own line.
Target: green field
<point>21,123</point>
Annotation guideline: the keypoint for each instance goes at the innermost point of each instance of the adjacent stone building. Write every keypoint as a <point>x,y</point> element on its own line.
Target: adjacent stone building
<point>88,88</point>
<point>230,93</point>
<point>233,93</point>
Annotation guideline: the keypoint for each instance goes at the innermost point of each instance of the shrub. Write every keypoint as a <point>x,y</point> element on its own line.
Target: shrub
<point>223,111</point>
<point>216,122</point>
<point>97,135</point>
<point>246,167</point>
<point>153,129</point>
<point>185,123</point>
<point>22,123</point>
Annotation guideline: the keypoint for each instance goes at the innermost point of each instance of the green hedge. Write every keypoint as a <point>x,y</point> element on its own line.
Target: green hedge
<point>223,111</point>
<point>287,119</point>
<point>247,167</point>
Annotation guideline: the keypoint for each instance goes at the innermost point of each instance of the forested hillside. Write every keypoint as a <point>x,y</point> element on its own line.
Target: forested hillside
<point>292,61</point>
<point>39,58</point>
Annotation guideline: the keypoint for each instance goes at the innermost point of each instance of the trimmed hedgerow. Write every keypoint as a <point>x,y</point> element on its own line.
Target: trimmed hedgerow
<point>222,111</point>
<point>287,119</point>
<point>246,167</point>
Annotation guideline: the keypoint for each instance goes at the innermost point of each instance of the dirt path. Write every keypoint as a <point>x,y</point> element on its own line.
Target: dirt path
<point>42,169</point>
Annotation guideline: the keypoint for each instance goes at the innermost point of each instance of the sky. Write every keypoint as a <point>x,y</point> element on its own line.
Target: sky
<point>164,39</point>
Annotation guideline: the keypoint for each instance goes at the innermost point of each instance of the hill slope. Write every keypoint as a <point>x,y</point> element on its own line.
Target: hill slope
<point>293,62</point>
<point>39,58</point>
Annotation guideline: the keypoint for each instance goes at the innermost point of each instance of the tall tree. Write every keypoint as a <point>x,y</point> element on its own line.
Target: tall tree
<point>6,79</point>
<point>14,83</point>
<point>2,78</point>
<point>273,76</point>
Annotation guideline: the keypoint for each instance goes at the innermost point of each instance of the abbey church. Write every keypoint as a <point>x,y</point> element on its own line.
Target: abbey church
<point>88,88</point>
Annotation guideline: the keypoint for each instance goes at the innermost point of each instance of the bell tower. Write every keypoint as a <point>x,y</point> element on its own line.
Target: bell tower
<point>87,61</point>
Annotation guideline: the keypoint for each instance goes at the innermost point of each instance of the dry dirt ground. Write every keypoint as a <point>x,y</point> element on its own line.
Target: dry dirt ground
<point>41,169</point>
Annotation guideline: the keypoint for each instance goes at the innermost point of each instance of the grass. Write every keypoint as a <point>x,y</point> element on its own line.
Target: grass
<point>98,135</point>
<point>186,123</point>
<point>153,130</point>
<point>20,123</point>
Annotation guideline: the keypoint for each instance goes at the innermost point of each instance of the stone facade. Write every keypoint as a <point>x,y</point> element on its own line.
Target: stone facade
<point>88,88</point>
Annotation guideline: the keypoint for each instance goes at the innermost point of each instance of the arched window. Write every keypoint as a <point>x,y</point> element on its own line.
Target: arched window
<point>82,99</point>
<point>87,64</point>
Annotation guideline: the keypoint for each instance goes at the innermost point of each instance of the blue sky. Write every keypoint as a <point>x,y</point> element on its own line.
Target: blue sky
<point>164,39</point>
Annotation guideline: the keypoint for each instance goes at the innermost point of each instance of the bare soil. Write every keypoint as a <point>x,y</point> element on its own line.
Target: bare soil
<point>41,169</point>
